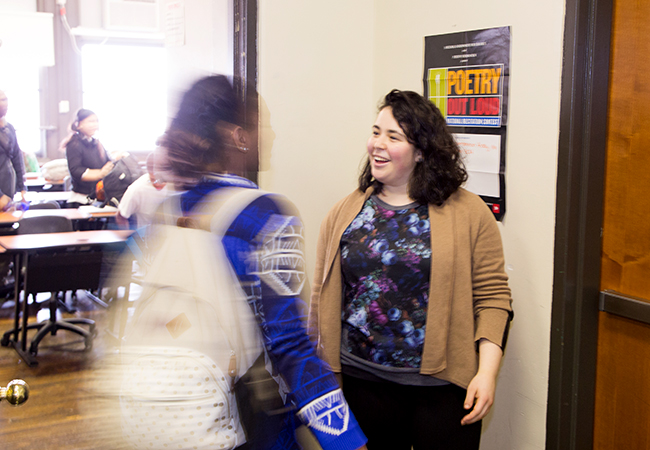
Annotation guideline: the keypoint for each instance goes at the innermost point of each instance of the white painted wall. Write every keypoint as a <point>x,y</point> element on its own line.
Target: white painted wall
<point>208,48</point>
<point>18,5</point>
<point>322,70</point>
<point>315,82</point>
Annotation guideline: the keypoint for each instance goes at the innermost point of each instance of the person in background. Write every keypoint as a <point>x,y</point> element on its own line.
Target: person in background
<point>142,198</point>
<point>12,168</point>
<point>88,161</point>
<point>203,146</point>
<point>410,300</point>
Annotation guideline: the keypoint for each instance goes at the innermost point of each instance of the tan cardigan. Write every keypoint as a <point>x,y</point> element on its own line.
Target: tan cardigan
<point>469,298</point>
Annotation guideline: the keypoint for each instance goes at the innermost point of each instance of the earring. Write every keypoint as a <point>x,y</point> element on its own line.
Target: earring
<point>418,159</point>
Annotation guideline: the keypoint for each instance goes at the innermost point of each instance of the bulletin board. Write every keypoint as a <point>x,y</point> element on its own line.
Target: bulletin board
<point>466,75</point>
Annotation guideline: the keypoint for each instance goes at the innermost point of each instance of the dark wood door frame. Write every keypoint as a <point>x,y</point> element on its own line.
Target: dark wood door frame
<point>579,211</point>
<point>245,73</point>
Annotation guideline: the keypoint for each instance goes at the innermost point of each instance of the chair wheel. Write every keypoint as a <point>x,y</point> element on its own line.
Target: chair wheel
<point>88,344</point>
<point>33,349</point>
<point>5,341</point>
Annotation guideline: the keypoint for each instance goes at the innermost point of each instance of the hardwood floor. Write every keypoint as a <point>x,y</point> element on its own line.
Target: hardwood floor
<point>71,403</point>
<point>64,410</point>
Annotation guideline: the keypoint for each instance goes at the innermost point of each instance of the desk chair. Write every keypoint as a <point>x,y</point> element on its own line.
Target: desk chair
<point>6,278</point>
<point>47,204</point>
<point>57,271</point>
<point>43,224</point>
<point>6,264</point>
<point>27,226</point>
<point>51,204</point>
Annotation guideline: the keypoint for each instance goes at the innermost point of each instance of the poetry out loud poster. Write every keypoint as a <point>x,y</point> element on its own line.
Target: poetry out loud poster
<point>466,75</point>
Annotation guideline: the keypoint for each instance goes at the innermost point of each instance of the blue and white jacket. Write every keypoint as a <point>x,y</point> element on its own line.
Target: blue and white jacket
<point>265,245</point>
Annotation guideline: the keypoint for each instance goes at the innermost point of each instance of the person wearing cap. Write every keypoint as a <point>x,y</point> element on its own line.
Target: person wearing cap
<point>12,168</point>
<point>88,161</point>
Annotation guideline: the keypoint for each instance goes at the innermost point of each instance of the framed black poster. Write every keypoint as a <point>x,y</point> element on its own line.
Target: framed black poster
<point>467,75</point>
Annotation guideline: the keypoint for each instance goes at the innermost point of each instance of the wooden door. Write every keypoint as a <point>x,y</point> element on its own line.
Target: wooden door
<point>622,409</point>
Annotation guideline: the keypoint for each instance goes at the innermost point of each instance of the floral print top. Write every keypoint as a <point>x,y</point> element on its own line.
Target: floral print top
<point>386,260</point>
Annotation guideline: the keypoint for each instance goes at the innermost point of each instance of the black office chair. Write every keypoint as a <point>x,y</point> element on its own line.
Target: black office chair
<point>43,224</point>
<point>63,275</point>
<point>47,204</point>
<point>30,226</point>
<point>46,225</point>
<point>6,278</point>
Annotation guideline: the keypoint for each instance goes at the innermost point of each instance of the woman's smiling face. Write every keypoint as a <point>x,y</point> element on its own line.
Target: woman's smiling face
<point>392,156</point>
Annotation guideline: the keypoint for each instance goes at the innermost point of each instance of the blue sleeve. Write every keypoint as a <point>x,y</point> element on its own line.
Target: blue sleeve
<point>274,243</point>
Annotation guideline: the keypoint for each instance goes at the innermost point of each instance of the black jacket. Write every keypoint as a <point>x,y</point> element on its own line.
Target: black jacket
<point>83,154</point>
<point>12,166</point>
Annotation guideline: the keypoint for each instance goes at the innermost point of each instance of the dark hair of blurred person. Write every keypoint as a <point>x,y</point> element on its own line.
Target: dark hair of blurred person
<point>12,165</point>
<point>442,170</point>
<point>205,135</point>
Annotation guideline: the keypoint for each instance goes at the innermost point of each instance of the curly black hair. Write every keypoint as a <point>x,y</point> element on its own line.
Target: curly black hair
<point>442,170</point>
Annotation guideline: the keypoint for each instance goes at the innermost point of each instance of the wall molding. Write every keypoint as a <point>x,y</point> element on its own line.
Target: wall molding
<point>579,210</point>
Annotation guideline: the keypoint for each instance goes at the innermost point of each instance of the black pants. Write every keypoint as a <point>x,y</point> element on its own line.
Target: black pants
<point>396,417</point>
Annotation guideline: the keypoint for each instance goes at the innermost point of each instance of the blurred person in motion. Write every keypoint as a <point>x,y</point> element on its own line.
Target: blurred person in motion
<point>12,167</point>
<point>142,198</point>
<point>87,159</point>
<point>263,246</point>
<point>410,300</point>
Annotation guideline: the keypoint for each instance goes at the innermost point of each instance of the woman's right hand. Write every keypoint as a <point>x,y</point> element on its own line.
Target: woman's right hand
<point>4,201</point>
<point>107,168</point>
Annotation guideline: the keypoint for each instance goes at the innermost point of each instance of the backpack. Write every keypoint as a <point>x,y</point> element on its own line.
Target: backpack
<point>115,183</point>
<point>192,334</point>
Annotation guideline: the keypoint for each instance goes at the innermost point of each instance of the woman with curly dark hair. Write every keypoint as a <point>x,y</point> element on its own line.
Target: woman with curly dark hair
<point>410,300</point>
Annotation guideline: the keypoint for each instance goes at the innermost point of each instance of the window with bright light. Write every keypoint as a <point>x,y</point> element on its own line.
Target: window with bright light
<point>126,86</point>
<point>21,85</point>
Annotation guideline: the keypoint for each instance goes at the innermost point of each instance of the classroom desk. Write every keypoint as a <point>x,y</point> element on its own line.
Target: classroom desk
<point>102,216</point>
<point>61,262</point>
<point>15,216</point>
<point>97,212</point>
<point>8,219</point>
<point>62,198</point>
<point>43,185</point>
<point>99,218</point>
<point>58,196</point>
